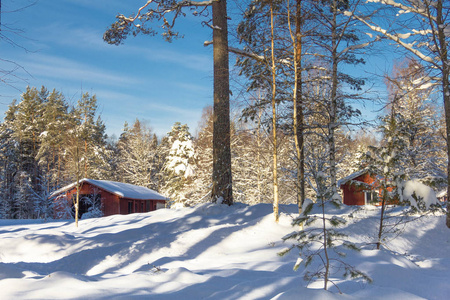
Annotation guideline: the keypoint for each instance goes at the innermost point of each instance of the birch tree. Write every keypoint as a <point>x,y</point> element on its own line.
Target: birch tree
<point>260,33</point>
<point>167,12</point>
<point>274,117</point>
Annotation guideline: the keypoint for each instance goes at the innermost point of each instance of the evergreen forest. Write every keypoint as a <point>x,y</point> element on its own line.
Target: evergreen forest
<point>298,120</point>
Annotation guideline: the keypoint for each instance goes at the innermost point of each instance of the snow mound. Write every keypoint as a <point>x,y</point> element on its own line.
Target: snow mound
<point>418,194</point>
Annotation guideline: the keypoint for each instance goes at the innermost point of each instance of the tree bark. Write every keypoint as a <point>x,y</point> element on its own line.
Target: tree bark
<point>222,178</point>
<point>443,47</point>
<point>333,108</point>
<point>274,121</point>
<point>298,109</point>
<point>383,208</point>
<point>325,246</point>
<point>77,201</point>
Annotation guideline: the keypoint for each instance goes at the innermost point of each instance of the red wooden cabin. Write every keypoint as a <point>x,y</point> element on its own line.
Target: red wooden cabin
<point>111,198</point>
<point>361,188</point>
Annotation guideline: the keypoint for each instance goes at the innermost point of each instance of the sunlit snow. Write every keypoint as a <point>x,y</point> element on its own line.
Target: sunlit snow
<point>212,252</point>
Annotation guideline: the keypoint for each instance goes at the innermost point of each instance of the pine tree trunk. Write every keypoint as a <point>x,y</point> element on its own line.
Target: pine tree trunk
<point>59,166</point>
<point>325,246</point>
<point>222,178</point>
<point>258,158</point>
<point>333,108</point>
<point>383,208</point>
<point>445,90</point>
<point>77,202</point>
<point>85,159</point>
<point>298,109</point>
<point>274,121</point>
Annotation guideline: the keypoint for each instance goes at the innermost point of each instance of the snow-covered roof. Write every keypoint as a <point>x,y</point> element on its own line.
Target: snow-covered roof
<point>351,177</point>
<point>123,190</point>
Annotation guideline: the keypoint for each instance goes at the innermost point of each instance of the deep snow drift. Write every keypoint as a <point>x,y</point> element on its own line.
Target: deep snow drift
<point>212,252</point>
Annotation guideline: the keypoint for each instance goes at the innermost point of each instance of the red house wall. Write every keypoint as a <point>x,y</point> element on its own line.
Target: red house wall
<point>354,195</point>
<point>138,206</point>
<point>111,203</point>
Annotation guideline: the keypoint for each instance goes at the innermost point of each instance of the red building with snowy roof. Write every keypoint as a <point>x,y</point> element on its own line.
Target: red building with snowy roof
<point>357,188</point>
<point>362,188</point>
<point>109,197</point>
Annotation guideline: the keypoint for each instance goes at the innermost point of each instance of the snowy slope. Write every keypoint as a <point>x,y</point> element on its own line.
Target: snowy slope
<point>210,252</point>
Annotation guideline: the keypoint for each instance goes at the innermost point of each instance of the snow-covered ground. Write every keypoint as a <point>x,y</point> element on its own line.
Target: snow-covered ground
<point>212,252</point>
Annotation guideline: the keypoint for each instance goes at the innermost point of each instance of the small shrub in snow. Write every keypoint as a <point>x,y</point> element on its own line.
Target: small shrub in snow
<point>93,212</point>
<point>321,247</point>
<point>319,240</point>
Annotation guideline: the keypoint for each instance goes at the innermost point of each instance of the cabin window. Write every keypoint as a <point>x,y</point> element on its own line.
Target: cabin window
<point>370,197</point>
<point>142,207</point>
<point>130,207</point>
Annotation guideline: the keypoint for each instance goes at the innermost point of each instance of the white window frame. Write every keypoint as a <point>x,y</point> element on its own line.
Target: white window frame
<point>366,193</point>
<point>373,195</point>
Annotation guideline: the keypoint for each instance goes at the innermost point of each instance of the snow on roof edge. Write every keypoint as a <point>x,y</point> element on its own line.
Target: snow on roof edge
<point>351,176</point>
<point>123,190</point>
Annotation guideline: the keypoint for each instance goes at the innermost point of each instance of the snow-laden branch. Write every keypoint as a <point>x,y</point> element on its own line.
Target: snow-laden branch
<point>176,6</point>
<point>247,54</point>
<point>257,57</point>
<point>152,10</point>
<point>397,39</point>
<point>353,47</point>
<point>405,8</point>
<point>196,3</point>
<point>131,20</point>
<point>185,3</point>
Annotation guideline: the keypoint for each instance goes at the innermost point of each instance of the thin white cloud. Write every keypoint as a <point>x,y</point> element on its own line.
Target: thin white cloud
<point>89,39</point>
<point>48,66</point>
<point>144,104</point>
<point>83,37</point>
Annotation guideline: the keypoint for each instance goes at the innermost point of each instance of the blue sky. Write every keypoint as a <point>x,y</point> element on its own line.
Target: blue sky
<point>146,78</point>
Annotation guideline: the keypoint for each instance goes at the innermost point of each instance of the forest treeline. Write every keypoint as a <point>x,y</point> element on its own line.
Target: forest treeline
<point>45,140</point>
<point>299,128</point>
